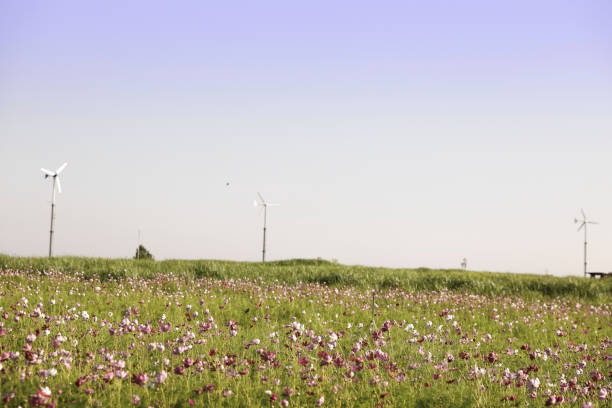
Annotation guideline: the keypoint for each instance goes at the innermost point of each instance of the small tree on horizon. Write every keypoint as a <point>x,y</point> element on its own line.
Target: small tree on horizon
<point>143,253</point>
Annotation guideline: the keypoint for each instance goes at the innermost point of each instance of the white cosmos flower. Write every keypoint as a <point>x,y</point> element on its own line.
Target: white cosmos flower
<point>45,393</point>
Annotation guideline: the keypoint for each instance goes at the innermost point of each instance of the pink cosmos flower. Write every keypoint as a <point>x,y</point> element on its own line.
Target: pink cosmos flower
<point>603,394</point>
<point>533,384</point>
<point>161,377</point>
<point>140,379</point>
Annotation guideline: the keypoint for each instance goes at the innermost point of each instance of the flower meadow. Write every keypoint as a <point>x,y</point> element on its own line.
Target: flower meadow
<point>73,340</point>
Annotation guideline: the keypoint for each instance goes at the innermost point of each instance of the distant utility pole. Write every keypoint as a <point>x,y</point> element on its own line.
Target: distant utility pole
<point>138,247</point>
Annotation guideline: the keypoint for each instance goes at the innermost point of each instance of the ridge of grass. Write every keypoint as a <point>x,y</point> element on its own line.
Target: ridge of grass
<point>329,273</point>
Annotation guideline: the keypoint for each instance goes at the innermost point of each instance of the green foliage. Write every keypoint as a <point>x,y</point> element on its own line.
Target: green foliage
<point>125,314</point>
<point>143,253</point>
<point>332,274</point>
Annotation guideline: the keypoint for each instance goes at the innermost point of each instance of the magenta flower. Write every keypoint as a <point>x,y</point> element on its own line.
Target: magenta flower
<point>140,379</point>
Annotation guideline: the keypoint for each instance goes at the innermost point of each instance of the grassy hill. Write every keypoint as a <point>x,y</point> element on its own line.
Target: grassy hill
<point>325,272</point>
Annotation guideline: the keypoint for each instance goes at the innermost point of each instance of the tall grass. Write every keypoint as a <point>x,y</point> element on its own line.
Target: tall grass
<point>332,274</point>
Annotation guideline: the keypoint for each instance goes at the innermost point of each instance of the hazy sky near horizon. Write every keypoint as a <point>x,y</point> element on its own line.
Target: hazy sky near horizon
<point>394,133</point>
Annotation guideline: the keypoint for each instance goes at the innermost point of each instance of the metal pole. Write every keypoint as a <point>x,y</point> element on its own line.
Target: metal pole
<point>263,255</point>
<point>52,219</point>
<point>138,248</point>
<point>585,249</point>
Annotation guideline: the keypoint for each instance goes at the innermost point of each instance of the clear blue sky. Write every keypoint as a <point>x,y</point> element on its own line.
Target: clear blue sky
<point>392,133</point>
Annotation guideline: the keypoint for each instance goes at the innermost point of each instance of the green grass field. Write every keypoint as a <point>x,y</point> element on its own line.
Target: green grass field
<point>299,333</point>
<point>331,274</point>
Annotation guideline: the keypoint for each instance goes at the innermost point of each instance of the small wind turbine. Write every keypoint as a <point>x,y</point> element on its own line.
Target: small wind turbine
<point>56,180</point>
<point>265,206</point>
<point>583,223</point>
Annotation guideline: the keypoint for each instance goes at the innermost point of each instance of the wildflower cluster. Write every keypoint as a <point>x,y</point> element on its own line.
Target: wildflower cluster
<point>71,341</point>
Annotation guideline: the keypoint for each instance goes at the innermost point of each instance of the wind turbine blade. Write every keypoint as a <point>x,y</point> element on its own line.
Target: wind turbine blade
<point>592,222</point>
<point>272,205</point>
<point>47,172</point>
<point>59,185</point>
<point>255,203</point>
<point>62,167</point>
<point>581,225</point>
<point>583,214</point>
<point>261,198</point>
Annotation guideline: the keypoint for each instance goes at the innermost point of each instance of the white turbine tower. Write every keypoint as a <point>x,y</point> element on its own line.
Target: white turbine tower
<point>265,206</point>
<point>56,180</point>
<point>583,223</point>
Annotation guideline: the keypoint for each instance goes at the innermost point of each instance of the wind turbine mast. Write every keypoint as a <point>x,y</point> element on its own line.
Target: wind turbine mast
<point>52,219</point>
<point>263,251</point>
<point>265,206</point>
<point>55,175</point>
<point>583,223</point>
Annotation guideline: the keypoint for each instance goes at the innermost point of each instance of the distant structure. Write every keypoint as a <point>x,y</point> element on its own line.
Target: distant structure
<point>464,264</point>
<point>56,181</point>
<point>583,223</point>
<point>265,206</point>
